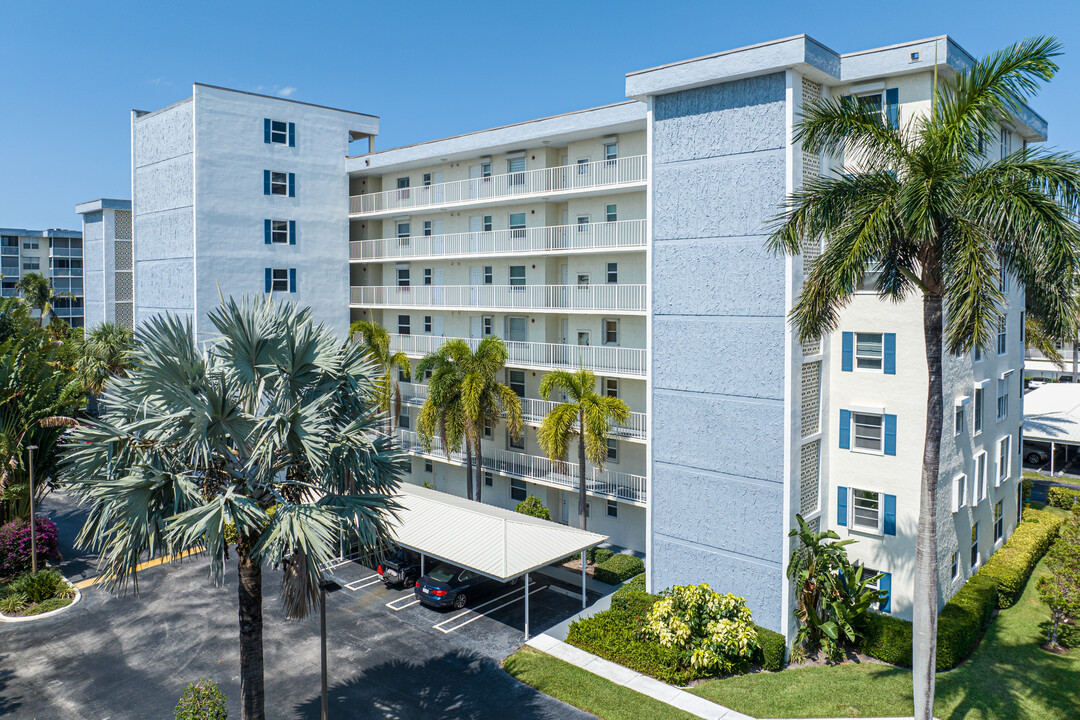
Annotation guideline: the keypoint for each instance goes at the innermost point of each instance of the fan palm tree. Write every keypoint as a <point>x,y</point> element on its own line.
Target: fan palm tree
<point>480,400</point>
<point>39,293</point>
<point>587,415</point>
<point>106,353</point>
<point>443,412</point>
<point>376,342</point>
<point>271,432</point>
<point>923,202</point>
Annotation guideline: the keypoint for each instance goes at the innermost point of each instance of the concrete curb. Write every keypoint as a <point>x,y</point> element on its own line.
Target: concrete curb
<point>52,613</point>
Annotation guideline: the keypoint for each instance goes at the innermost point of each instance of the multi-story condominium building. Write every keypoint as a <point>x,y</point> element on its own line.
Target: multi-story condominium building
<point>628,239</point>
<point>56,254</point>
<point>107,248</point>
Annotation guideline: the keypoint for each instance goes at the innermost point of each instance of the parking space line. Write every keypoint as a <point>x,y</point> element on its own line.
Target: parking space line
<point>463,613</point>
<point>447,631</point>
<point>364,582</point>
<point>393,604</point>
<point>338,564</point>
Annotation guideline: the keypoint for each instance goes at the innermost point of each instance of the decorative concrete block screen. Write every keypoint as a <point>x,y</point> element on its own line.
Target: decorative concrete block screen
<point>811,398</point>
<point>809,475</point>
<point>123,225</point>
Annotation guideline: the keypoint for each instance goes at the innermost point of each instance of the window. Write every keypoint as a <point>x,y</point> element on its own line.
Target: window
<point>613,272</point>
<point>959,492</point>
<point>1002,398</point>
<point>980,478</point>
<point>427,179</point>
<point>403,322</point>
<point>516,381</point>
<point>485,169</point>
<point>582,337</point>
<point>403,232</point>
<point>977,355</point>
<point>427,228</point>
<point>403,277</point>
<point>279,183</point>
<point>427,466</point>
<point>489,479</point>
<point>1003,277</point>
<point>583,166</point>
<point>978,410</point>
<point>612,509</point>
<point>31,263</point>
<point>30,244</point>
<point>958,422</point>
<point>869,431</point>
<point>403,420</point>
<point>954,569</point>
<point>1006,142</point>
<point>427,323</point>
<point>517,328</point>
<point>611,387</point>
<point>1002,343</point>
<point>869,351</point>
<point>518,444</point>
<point>489,275</point>
<point>974,546</point>
<point>488,224</point>
<point>279,280</point>
<point>612,450</point>
<point>403,183</point>
<point>582,223</point>
<point>611,213</point>
<point>516,168</point>
<point>1004,459</point>
<point>1022,338</point>
<point>866,510</point>
<point>517,275</point>
<point>611,331</point>
<point>279,132</point>
<point>427,276</point>
<point>611,150</point>
<point>999,520</point>
<point>487,325</point>
<point>517,225</point>
<point>518,490</point>
<point>583,278</point>
<point>279,231</point>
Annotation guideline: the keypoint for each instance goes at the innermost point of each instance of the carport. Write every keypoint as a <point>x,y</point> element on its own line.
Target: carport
<point>1052,415</point>
<point>497,543</point>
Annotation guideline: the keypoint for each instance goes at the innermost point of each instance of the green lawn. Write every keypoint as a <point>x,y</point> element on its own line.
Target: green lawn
<point>1029,475</point>
<point>1008,678</point>
<point>584,690</point>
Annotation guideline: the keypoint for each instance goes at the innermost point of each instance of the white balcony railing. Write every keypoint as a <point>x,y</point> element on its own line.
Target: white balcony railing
<point>533,410</point>
<point>561,474</point>
<point>564,178</point>
<point>537,298</point>
<point>601,359</point>
<point>618,235</point>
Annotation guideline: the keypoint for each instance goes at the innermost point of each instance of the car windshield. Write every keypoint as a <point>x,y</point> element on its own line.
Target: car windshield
<point>443,573</point>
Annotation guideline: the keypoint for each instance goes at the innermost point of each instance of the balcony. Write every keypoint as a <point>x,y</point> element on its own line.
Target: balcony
<point>618,298</point>
<point>577,179</point>
<point>533,410</point>
<point>602,359</point>
<point>561,474</point>
<point>9,250</point>
<point>619,236</point>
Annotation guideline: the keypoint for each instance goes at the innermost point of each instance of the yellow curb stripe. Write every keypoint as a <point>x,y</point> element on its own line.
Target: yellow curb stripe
<point>82,584</point>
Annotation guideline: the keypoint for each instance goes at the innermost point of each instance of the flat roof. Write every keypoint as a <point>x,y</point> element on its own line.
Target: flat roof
<point>1052,414</point>
<point>102,204</point>
<point>53,232</point>
<point>498,543</point>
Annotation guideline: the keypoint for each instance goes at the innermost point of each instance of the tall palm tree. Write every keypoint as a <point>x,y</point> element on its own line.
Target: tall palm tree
<point>587,415</point>
<point>443,412</point>
<point>106,353</point>
<point>923,202</point>
<point>272,429</point>
<point>39,293</point>
<point>376,341</point>
<point>482,399</point>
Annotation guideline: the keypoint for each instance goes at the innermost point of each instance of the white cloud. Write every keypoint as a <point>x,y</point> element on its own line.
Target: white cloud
<point>286,91</point>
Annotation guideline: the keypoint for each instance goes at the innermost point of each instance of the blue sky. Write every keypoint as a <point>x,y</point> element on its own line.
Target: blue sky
<point>72,71</point>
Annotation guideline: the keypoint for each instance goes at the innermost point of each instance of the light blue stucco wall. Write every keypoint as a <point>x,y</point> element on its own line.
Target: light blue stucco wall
<point>718,324</point>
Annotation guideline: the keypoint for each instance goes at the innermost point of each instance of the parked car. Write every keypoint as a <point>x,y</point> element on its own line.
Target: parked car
<point>1036,453</point>
<point>399,567</point>
<point>450,586</point>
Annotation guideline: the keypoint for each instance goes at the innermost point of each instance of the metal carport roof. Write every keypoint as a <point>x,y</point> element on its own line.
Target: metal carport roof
<point>1052,414</point>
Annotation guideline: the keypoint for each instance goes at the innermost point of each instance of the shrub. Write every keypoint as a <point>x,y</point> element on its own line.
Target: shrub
<point>636,602</point>
<point>618,568</point>
<point>13,603</point>
<point>15,545</point>
<point>45,585</point>
<point>599,554</point>
<point>1011,566</point>
<point>48,606</point>
<point>634,584</point>
<point>712,632</point>
<point>1063,498</point>
<point>887,638</point>
<point>533,507</point>
<point>771,649</point>
<point>202,700</point>
<point>611,634</point>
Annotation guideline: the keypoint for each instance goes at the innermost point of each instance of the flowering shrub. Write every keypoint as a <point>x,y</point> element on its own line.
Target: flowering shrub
<point>711,632</point>
<point>15,546</point>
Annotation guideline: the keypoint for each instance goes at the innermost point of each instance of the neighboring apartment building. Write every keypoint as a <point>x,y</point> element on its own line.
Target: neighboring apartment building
<point>107,249</point>
<point>56,254</point>
<point>629,239</point>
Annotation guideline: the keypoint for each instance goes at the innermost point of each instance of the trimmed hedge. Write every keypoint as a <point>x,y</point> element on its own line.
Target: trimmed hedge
<point>964,618</point>
<point>1011,566</point>
<point>634,584</point>
<point>1063,498</point>
<point>618,568</point>
<point>599,554</point>
<point>772,649</point>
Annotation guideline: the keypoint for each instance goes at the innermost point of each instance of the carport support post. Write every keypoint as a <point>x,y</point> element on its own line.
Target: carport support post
<point>582,579</point>
<point>322,641</point>
<point>422,573</point>
<point>1051,459</point>
<point>526,606</point>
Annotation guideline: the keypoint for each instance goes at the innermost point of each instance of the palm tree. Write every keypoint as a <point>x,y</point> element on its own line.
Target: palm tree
<point>272,431</point>
<point>376,340</point>
<point>106,353</point>
<point>1036,336</point>
<point>924,204</point>
<point>443,412</point>
<point>480,401</point>
<point>584,409</point>
<point>39,293</point>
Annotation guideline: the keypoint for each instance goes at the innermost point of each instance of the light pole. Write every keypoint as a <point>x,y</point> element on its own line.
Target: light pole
<point>33,523</point>
<point>326,586</point>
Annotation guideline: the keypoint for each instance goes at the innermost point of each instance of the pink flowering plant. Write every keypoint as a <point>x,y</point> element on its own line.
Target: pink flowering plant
<point>15,546</point>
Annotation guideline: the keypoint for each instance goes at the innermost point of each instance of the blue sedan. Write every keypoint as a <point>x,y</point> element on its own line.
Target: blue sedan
<point>450,586</point>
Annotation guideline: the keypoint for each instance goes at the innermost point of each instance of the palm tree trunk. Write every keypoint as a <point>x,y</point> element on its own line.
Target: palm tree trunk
<point>479,476</point>
<point>468,468</point>
<point>925,609</point>
<point>251,645</point>
<point>581,470</point>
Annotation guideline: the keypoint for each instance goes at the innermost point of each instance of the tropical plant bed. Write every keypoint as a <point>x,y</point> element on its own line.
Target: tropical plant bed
<point>29,595</point>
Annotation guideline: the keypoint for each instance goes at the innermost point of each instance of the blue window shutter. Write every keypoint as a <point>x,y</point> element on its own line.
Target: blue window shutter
<point>890,514</point>
<point>292,280</point>
<point>267,231</point>
<point>892,107</point>
<point>266,129</point>
<point>841,505</point>
<point>848,352</point>
<point>890,434</point>
<point>292,232</point>
<point>845,429</point>
<point>292,134</point>
<point>292,184</point>
<point>885,586</point>
<point>890,353</point>
<point>269,279</point>
<point>266,182</point>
